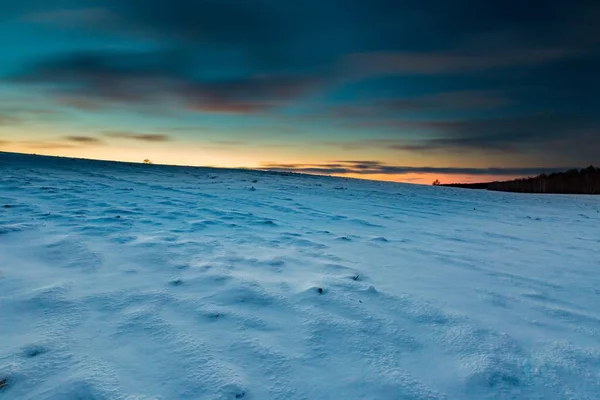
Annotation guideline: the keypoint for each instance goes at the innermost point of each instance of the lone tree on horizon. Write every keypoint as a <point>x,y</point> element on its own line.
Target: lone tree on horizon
<point>436,182</point>
<point>147,161</point>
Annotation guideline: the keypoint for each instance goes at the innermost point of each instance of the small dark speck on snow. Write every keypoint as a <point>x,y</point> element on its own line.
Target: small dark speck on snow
<point>252,189</point>
<point>33,351</point>
<point>240,395</point>
<point>320,290</point>
<point>176,282</point>
<point>7,206</point>
<point>3,383</point>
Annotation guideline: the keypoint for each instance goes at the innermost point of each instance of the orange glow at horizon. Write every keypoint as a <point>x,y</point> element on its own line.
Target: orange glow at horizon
<point>191,157</point>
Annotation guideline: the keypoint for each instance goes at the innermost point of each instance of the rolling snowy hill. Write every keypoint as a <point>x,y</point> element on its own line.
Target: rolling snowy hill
<point>121,281</point>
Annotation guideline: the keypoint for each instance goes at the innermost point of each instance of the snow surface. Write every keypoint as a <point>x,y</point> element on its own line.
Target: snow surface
<point>122,281</point>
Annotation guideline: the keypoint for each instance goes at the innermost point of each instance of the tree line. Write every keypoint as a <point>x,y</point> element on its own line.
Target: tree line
<point>574,181</point>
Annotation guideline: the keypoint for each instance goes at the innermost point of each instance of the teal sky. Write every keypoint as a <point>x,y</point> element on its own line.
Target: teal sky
<point>405,91</point>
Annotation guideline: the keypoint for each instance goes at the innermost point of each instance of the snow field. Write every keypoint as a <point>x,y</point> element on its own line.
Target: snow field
<point>122,281</point>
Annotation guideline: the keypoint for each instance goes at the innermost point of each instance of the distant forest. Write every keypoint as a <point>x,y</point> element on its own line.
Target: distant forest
<point>574,181</point>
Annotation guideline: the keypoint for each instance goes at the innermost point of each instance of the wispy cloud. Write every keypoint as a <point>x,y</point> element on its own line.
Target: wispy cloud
<point>141,137</point>
<point>370,167</point>
<point>84,140</point>
<point>381,109</point>
<point>91,80</point>
<point>538,132</point>
<point>451,62</point>
<point>445,101</point>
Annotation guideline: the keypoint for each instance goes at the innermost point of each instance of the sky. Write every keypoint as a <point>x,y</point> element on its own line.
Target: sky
<point>411,91</point>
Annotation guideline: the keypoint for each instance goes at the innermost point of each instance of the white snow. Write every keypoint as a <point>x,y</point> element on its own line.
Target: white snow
<point>122,281</point>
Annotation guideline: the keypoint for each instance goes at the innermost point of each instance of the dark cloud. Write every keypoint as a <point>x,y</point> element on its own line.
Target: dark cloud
<point>90,80</point>
<point>376,168</point>
<point>453,62</point>
<point>538,133</point>
<point>449,101</point>
<point>286,34</point>
<point>84,140</point>
<point>444,102</point>
<point>404,36</point>
<point>249,95</point>
<point>142,137</point>
<point>237,56</point>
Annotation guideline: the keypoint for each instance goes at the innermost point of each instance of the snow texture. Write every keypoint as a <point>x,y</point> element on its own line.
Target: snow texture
<point>125,281</point>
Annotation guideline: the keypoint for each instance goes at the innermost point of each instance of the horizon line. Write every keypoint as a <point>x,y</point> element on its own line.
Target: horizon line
<point>291,171</point>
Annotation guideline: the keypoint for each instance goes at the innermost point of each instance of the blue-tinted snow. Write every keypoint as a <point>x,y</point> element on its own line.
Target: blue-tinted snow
<point>122,281</point>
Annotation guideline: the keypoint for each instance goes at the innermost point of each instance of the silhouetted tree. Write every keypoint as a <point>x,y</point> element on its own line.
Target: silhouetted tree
<point>146,161</point>
<point>574,181</point>
<point>436,182</point>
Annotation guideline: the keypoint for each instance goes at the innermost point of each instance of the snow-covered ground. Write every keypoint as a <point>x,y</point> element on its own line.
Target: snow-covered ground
<point>122,281</point>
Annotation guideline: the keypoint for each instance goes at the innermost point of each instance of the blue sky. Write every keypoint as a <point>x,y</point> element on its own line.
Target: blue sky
<point>380,89</point>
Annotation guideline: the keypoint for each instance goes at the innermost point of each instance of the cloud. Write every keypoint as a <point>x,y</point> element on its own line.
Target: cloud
<point>84,140</point>
<point>378,36</point>
<point>362,164</point>
<point>271,34</point>
<point>450,62</point>
<point>92,80</point>
<point>453,101</point>
<point>444,101</point>
<point>142,137</point>
<point>169,80</point>
<point>535,132</point>
<point>380,168</point>
<point>250,95</point>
